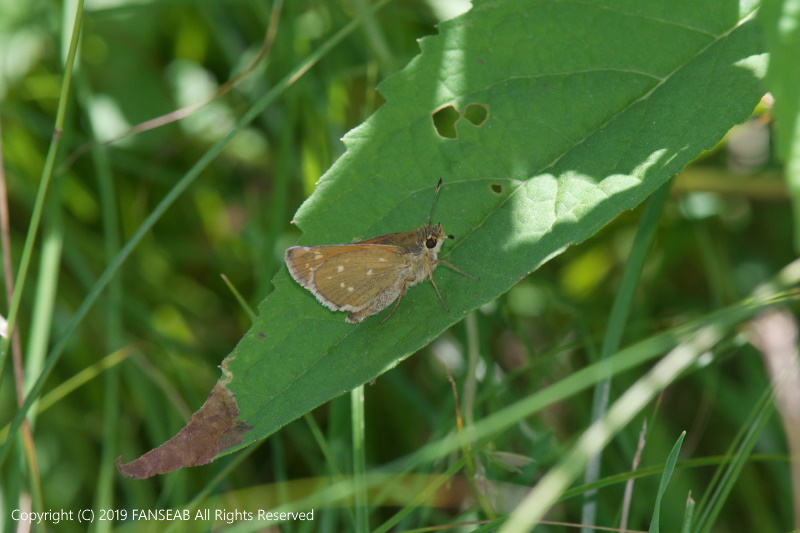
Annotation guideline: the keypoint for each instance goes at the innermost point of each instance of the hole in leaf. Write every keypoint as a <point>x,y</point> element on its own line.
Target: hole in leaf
<point>477,114</point>
<point>497,188</point>
<point>444,120</point>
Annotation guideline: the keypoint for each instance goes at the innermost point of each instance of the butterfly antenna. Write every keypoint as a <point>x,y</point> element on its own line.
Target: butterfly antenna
<point>435,196</point>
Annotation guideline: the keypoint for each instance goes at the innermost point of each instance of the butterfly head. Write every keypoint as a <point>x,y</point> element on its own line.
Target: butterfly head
<point>431,237</point>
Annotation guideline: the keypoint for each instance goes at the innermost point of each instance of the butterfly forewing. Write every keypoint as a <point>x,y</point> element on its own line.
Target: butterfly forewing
<point>347,277</point>
<point>303,261</point>
<point>353,279</point>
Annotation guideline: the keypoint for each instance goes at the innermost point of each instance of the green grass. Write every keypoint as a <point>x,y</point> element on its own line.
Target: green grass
<point>124,317</point>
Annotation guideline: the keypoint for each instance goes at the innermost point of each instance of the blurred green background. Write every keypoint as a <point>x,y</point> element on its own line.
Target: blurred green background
<point>725,229</point>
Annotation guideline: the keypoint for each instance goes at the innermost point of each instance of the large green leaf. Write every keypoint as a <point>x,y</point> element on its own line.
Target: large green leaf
<point>591,107</point>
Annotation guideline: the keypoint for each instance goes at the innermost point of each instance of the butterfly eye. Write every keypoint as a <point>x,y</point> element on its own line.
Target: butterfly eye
<point>431,242</point>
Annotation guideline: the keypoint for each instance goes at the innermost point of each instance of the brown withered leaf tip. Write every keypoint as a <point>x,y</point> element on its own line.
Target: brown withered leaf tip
<point>213,429</point>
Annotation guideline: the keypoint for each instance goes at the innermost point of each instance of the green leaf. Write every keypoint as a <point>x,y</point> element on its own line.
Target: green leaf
<point>781,19</point>
<point>669,468</point>
<point>581,126</point>
<point>563,115</point>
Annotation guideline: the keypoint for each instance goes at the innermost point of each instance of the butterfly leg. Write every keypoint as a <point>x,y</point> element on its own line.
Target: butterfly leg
<point>399,298</point>
<point>439,293</point>
<point>451,265</point>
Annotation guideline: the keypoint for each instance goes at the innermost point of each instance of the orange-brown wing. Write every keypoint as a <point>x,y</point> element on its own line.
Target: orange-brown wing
<point>348,276</point>
<point>355,280</point>
<point>304,260</point>
<point>405,240</point>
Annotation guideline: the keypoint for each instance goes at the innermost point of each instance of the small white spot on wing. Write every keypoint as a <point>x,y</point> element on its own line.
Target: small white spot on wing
<point>339,268</point>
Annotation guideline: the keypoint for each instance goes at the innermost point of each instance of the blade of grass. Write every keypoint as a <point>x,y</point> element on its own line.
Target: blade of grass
<point>239,298</point>
<point>165,204</point>
<point>716,271</point>
<point>41,194</point>
<point>277,450</point>
<point>726,476</point>
<point>45,299</point>
<point>14,496</point>
<point>41,327</point>
<point>278,209</point>
<point>637,458</point>
<point>669,468</point>
<point>688,515</point>
<point>474,466</point>
<point>620,311</point>
<point>471,379</point>
<point>319,438</point>
<point>5,235</point>
<point>729,458</point>
<point>491,527</point>
<point>359,460</point>
<point>104,495</point>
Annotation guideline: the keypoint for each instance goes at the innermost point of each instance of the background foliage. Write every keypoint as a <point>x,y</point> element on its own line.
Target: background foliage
<point>725,228</point>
